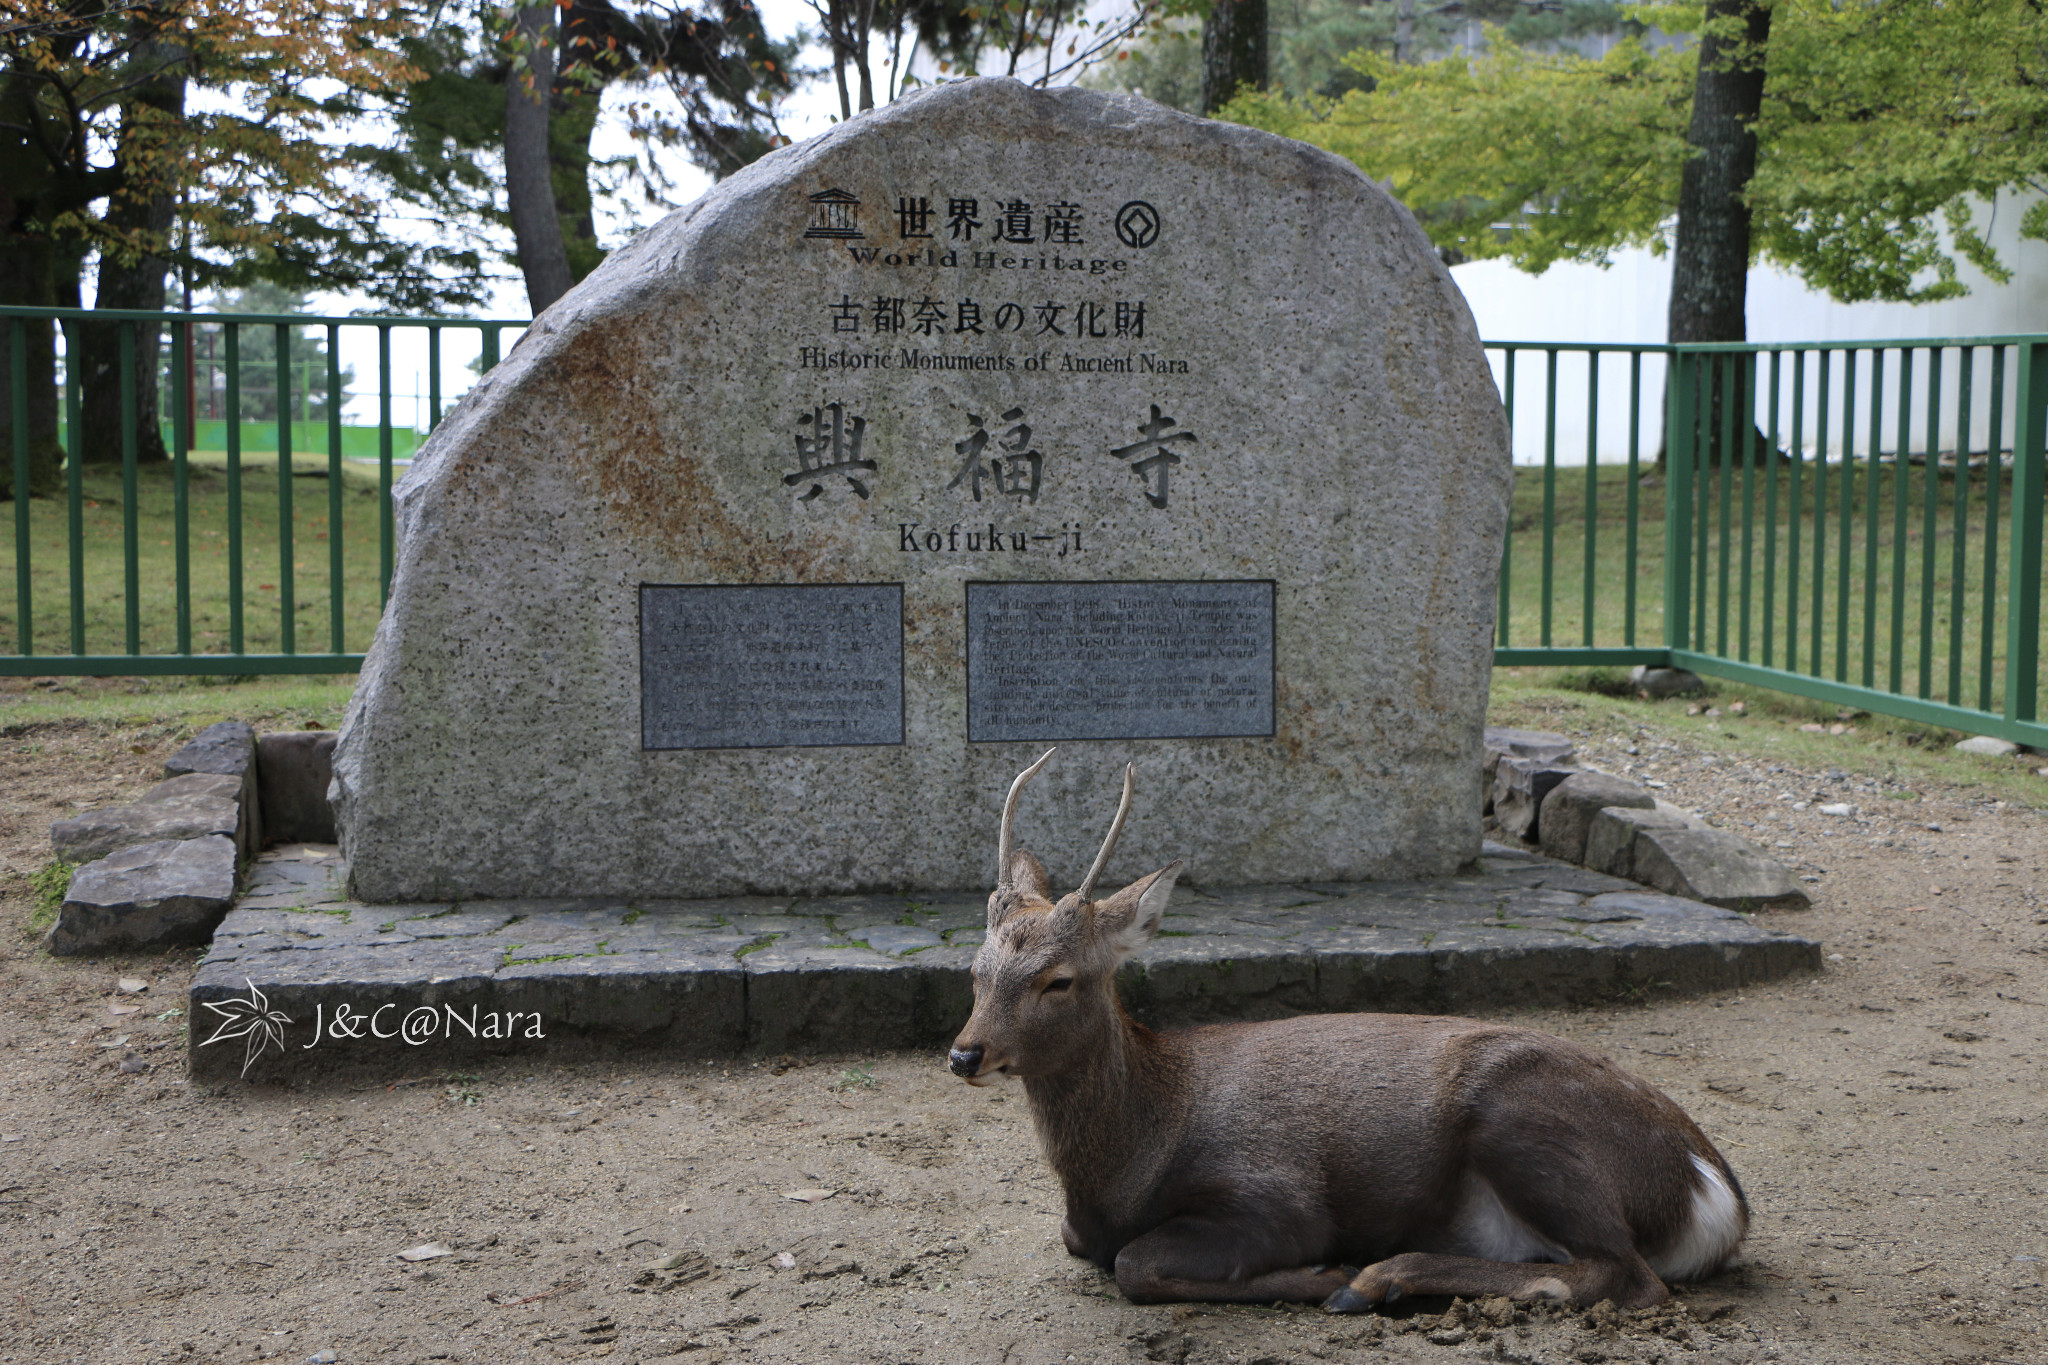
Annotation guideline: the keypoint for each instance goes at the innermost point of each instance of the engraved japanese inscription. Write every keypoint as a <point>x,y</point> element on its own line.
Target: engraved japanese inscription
<point>1148,660</point>
<point>758,666</point>
<point>1067,361</point>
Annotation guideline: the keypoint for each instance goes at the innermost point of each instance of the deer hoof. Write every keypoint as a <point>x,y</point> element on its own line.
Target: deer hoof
<point>1347,1300</point>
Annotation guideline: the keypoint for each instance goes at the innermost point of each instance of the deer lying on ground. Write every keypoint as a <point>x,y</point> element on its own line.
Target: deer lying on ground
<point>1255,1162</point>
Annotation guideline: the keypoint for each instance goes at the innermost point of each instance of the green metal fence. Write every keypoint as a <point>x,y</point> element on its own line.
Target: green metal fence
<point>1859,523</point>
<point>130,566</point>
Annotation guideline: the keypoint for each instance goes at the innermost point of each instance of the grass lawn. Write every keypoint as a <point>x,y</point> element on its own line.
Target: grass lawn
<point>103,589</point>
<point>164,707</point>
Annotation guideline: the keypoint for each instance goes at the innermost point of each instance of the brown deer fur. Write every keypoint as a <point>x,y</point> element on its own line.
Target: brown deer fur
<point>1261,1161</point>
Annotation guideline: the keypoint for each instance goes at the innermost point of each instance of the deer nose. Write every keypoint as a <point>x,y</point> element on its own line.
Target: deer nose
<point>965,1061</point>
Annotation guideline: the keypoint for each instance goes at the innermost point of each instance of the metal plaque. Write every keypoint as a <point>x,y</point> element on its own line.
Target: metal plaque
<point>1177,660</point>
<point>762,666</point>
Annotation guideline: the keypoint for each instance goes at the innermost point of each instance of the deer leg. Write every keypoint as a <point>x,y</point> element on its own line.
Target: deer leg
<point>1626,1280</point>
<point>1183,1260</point>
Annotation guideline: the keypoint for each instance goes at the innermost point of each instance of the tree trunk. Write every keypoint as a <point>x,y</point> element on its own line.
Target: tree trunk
<point>1404,32</point>
<point>570,127</point>
<point>529,188</point>
<point>1710,259</point>
<point>836,34</point>
<point>27,279</point>
<point>1233,51</point>
<point>142,213</point>
<point>864,24</point>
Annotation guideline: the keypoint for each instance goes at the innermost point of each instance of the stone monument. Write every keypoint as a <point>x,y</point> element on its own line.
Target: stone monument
<point>994,419</point>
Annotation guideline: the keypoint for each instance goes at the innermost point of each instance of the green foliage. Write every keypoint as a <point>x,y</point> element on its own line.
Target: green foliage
<point>95,118</point>
<point>48,884</point>
<point>1311,39</point>
<point>1887,127</point>
<point>1888,133</point>
<point>1538,157</point>
<point>857,1077</point>
<point>1166,67</point>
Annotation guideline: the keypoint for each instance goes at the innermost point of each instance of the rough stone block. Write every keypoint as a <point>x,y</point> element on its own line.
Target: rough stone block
<point>1714,866</point>
<point>97,833</point>
<point>1665,682</point>
<point>1611,837</point>
<point>148,896</point>
<point>226,749</point>
<point>293,771</point>
<point>1519,786</point>
<point>1502,741</point>
<point>219,786</point>
<point>1569,809</point>
<point>192,786</point>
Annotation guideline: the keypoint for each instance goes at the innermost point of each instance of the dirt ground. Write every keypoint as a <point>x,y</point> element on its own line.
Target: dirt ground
<point>1886,1116</point>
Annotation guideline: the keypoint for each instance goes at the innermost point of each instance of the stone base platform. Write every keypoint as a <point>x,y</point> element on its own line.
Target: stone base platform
<point>418,985</point>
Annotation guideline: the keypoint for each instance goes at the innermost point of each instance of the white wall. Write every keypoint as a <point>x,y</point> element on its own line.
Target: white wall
<point>1625,304</point>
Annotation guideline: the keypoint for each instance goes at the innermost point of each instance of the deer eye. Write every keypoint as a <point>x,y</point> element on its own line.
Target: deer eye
<point>1058,983</point>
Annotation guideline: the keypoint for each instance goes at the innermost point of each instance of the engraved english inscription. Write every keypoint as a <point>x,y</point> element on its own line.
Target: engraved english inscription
<point>1061,661</point>
<point>760,666</point>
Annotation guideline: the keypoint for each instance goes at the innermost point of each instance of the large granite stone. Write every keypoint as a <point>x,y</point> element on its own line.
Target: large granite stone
<point>294,769</point>
<point>1714,866</point>
<point>1140,348</point>
<point>149,896</point>
<point>226,749</point>
<point>97,833</point>
<point>1569,809</point>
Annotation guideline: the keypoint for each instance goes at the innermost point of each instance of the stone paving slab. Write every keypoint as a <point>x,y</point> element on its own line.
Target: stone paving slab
<point>782,974</point>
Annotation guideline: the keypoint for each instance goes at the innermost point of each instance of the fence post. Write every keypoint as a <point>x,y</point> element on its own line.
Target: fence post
<point>17,402</point>
<point>1681,409</point>
<point>2023,618</point>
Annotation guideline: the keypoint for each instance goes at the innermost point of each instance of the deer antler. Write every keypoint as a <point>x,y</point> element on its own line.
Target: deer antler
<point>1010,814</point>
<point>1116,828</point>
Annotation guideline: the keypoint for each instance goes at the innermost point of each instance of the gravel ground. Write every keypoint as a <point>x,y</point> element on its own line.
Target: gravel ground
<point>1886,1117</point>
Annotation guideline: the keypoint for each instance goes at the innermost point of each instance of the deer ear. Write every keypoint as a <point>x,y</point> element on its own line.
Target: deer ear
<point>1023,879</point>
<point>1128,919</point>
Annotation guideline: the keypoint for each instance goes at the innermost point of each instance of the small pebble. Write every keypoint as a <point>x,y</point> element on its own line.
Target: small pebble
<point>1838,808</point>
<point>322,1358</point>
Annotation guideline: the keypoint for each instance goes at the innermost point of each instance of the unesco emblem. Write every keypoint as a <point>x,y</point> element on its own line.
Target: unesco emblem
<point>1137,224</point>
